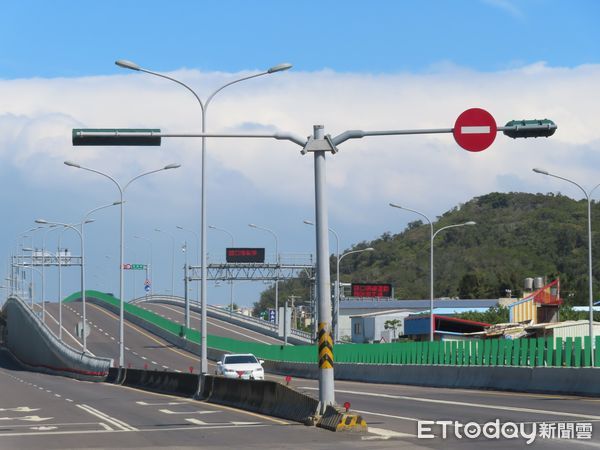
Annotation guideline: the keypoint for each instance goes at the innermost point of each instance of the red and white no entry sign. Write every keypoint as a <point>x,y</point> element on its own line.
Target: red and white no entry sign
<point>475,130</point>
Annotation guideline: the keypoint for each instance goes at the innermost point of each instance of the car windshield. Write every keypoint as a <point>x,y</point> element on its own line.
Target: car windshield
<point>240,359</point>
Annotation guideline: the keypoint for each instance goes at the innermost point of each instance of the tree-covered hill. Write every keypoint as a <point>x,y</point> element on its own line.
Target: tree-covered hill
<point>517,235</point>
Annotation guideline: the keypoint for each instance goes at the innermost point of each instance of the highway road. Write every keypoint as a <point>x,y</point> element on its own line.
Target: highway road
<point>215,326</point>
<point>392,411</point>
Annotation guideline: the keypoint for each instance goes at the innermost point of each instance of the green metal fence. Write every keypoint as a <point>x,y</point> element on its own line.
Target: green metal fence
<point>540,352</point>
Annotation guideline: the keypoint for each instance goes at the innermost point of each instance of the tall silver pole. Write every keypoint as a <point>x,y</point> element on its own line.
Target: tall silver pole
<point>203,263</point>
<point>431,318</point>
<point>121,282</point>
<point>185,288</point>
<point>326,379</point>
<point>591,325</point>
<point>59,288</point>
<point>588,196</point>
<point>336,319</point>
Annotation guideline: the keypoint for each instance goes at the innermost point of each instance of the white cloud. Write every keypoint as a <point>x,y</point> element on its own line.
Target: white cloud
<point>429,172</point>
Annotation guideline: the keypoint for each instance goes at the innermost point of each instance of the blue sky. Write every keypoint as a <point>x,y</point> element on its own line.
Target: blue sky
<point>357,65</point>
<point>69,38</point>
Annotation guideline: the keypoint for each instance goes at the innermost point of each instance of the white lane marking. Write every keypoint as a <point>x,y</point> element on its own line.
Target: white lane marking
<point>196,422</point>
<point>168,411</point>
<point>69,400</point>
<point>475,130</point>
<point>245,423</point>
<point>112,338</point>
<point>195,315</point>
<point>383,434</point>
<point>69,334</point>
<point>391,416</point>
<point>28,418</point>
<point>144,358</point>
<point>43,428</point>
<point>20,409</point>
<point>57,395</point>
<point>105,426</point>
<point>160,404</point>
<point>127,348</point>
<point>177,370</point>
<point>116,422</point>
<point>100,330</point>
<point>165,367</point>
<point>154,362</point>
<point>455,403</point>
<point>161,429</point>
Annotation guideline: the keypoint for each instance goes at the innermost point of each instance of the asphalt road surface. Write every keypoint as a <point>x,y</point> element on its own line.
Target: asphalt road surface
<point>392,412</point>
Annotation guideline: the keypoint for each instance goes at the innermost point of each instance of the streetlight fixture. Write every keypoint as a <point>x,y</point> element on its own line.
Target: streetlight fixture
<point>588,196</point>
<point>433,235</point>
<point>172,258</point>
<point>204,107</point>
<point>251,225</point>
<point>122,190</point>
<point>337,300</point>
<point>82,269</point>
<point>212,227</point>
<point>319,144</point>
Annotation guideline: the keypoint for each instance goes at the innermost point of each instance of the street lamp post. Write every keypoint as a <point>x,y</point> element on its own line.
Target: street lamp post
<point>319,144</point>
<point>588,196</point>
<point>82,269</point>
<point>212,227</point>
<point>44,265</point>
<point>122,190</point>
<point>432,236</point>
<point>251,225</point>
<point>197,263</point>
<point>337,300</point>
<point>336,290</point>
<point>203,222</point>
<point>23,236</point>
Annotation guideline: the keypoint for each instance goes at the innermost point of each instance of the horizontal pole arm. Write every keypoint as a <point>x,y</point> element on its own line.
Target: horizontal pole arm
<point>120,134</point>
<point>358,134</point>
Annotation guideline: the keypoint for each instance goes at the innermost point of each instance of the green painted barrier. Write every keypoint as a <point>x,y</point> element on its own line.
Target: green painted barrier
<point>489,352</point>
<point>541,346</point>
<point>549,351</point>
<point>532,352</point>
<point>587,351</point>
<point>558,353</point>
<point>568,351</point>
<point>577,352</point>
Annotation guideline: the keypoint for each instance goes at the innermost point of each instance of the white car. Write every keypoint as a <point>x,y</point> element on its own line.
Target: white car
<point>244,366</point>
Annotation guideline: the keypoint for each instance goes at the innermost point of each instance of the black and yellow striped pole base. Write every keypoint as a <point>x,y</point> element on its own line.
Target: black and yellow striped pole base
<point>325,347</point>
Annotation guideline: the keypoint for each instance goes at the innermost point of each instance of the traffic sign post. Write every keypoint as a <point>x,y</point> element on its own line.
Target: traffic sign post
<point>475,130</point>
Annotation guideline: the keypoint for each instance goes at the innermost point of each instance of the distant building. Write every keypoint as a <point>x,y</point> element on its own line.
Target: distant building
<point>355,306</point>
<point>417,327</point>
<point>540,306</point>
<point>368,328</point>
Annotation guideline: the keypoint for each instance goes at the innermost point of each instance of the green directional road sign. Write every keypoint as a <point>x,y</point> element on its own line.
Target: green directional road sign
<point>116,136</point>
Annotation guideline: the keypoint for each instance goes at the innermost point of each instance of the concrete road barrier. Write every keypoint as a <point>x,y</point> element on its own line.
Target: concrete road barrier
<point>262,396</point>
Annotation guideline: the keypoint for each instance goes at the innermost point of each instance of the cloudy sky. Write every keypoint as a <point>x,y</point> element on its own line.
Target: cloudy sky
<point>376,65</point>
